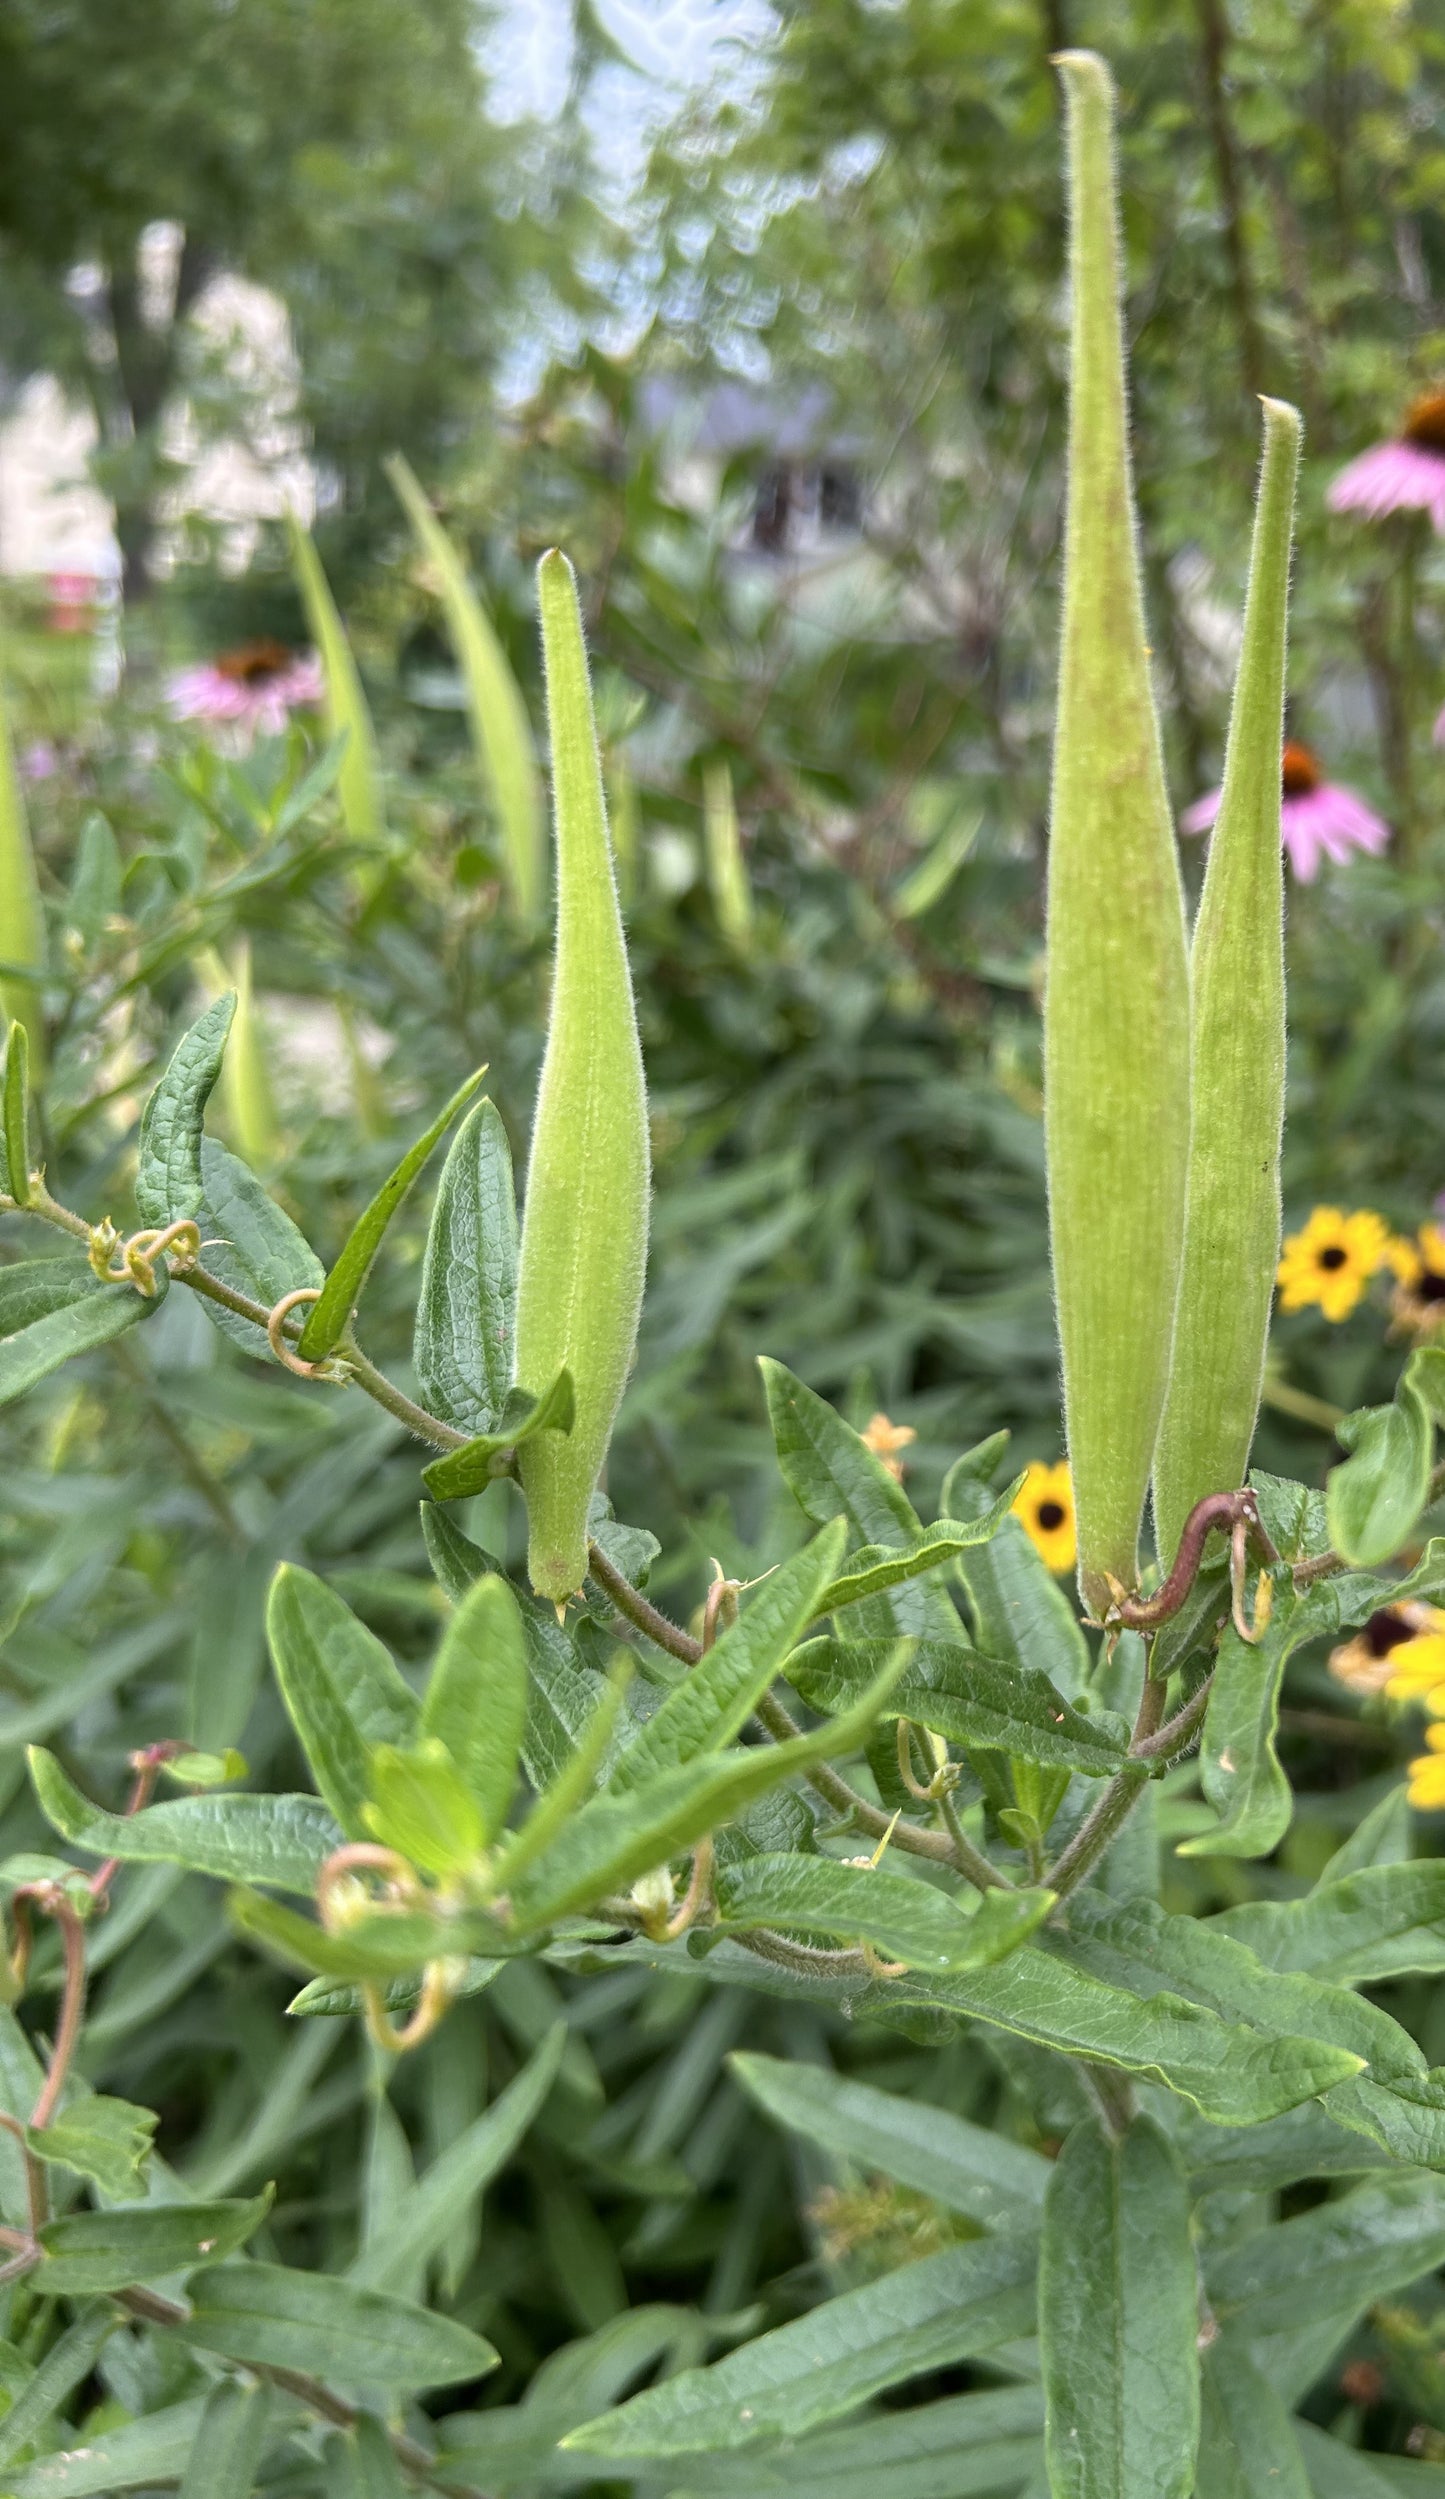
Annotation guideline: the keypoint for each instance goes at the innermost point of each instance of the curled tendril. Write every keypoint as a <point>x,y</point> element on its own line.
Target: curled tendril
<point>277,1342</point>
<point>133,1260</point>
<point>438,1988</point>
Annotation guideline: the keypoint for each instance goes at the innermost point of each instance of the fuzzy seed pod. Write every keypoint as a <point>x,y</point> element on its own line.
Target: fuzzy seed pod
<point>1231,1237</point>
<point>22,926</point>
<point>584,1227</point>
<point>1116,1013</point>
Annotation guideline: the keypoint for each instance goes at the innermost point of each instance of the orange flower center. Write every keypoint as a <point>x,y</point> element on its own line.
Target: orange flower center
<point>1425,421</point>
<point>1299,773</point>
<point>252,663</point>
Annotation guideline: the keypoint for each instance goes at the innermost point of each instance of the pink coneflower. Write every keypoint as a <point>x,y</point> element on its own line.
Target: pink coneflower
<point>1406,475</point>
<point>1317,818</point>
<point>258,685</point>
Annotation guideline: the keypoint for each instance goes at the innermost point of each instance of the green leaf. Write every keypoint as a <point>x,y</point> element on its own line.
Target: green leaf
<point>108,2141</point>
<point>476,1699</point>
<point>466,1317</point>
<point>268,2315</point>
<point>328,1318</point>
<point>970,1699</point>
<point>579,1757</point>
<point>1019,1612</point>
<point>52,1309</point>
<point>1119,2318</point>
<point>1381,1923</point>
<point>711,1704</point>
<point>251,1244</point>
<point>278,1840</point>
<point>341,1690</point>
<point>361,2463</point>
<point>827,1469</point>
<point>1374,1500</point>
<point>427,2212</point>
<point>614,1839</point>
<point>87,2252</point>
<point>67,2363</point>
<point>16,1119</point>
<point>378,1945</point>
<point>898,1914</point>
<point>874,1568</point>
<point>168,1182</point>
<point>1337,2471</point>
<point>995,2182</point>
<point>150,2453</point>
<point>422,1807</point>
<point>1230,2073</point>
<point>926,2316</point>
<point>1333,2262</point>
<point>1242,1777</point>
<point>501,730</point>
<point>469,1470</point>
<point>359,778</point>
<point>229,2442</point>
<point>1247,2441</point>
<point>964,2446</point>
<point>199,1770</point>
<point>22,916</point>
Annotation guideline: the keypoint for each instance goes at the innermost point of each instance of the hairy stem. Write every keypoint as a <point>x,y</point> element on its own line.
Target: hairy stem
<point>1117,1802</point>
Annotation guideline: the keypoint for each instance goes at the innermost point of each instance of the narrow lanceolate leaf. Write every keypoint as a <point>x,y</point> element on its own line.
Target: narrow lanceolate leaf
<point>828,1468</point>
<point>278,1840</point>
<point>268,2315</point>
<point>341,1689</point>
<point>1231,1235</point>
<point>1020,1614</point>
<point>584,1229</point>
<point>148,2453</point>
<point>971,1699</point>
<point>501,730</point>
<point>1382,1922</point>
<point>54,1308</point>
<point>328,1317</point>
<point>22,923</point>
<point>70,2359</point>
<point>1248,2442</point>
<point>86,2252</point>
<point>1116,1013</point>
<point>16,1115</point>
<point>876,1568</point>
<point>250,1244</point>
<point>229,2441</point>
<point>465,1471</point>
<point>971,2170</point>
<point>359,780</point>
<point>964,2446</point>
<point>1242,1775</point>
<point>897,1914</point>
<point>1334,2261</point>
<point>727,871</point>
<point>925,2316</point>
<point>466,1318</point>
<point>476,1699</point>
<point>1119,2318</point>
<point>168,1181</point>
<point>711,1705</point>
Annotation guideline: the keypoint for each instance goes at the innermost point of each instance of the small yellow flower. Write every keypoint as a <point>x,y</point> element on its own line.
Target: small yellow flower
<point>885,1439</point>
<point>1046,1506</point>
<point>1426,1791</point>
<point>1331,1261</point>
<point>1418,1266</point>
<point>1390,1653</point>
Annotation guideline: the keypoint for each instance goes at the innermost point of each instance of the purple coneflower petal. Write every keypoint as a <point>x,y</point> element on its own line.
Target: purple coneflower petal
<point>1392,477</point>
<point>1328,823</point>
<point>1199,817</point>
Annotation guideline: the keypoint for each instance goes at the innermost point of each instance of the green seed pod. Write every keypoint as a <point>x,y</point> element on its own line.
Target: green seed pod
<point>1231,1236</point>
<point>1116,1012</point>
<point>359,781</point>
<point>584,1226</point>
<point>22,927</point>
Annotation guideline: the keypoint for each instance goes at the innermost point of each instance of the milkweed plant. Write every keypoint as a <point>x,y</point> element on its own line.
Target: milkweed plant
<point>898,1777</point>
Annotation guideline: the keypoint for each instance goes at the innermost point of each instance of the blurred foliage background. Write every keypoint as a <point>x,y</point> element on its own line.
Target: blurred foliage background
<point>770,335</point>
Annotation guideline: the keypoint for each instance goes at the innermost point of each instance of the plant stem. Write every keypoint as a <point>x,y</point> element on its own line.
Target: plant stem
<point>72,2010</point>
<point>406,1410</point>
<point>1118,1800</point>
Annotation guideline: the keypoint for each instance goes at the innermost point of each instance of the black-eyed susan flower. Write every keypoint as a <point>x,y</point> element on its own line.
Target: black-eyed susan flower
<point>1426,1789</point>
<point>1418,1266</point>
<point>1400,1650</point>
<point>885,1439</point>
<point>1331,1261</point>
<point>1045,1504</point>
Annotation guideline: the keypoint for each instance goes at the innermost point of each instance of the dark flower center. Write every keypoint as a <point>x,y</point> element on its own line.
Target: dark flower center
<point>1299,773</point>
<point>254,663</point>
<point>1425,422</point>
<point>1051,1514</point>
<point>1429,1287</point>
<point>1332,1257</point>
<point>1385,1631</point>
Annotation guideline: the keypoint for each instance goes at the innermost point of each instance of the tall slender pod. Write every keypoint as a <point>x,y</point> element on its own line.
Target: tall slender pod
<point>1116,1014</point>
<point>1231,1238</point>
<point>22,928</point>
<point>359,780</point>
<point>584,1226</point>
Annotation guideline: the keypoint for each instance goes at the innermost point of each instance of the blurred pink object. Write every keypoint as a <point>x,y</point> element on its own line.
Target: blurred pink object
<point>1406,475</point>
<point>73,599</point>
<point>259,685</point>
<point>1318,819</point>
<point>39,761</point>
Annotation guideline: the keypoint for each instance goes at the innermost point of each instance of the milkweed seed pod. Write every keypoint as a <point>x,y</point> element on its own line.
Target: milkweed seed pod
<point>584,1226</point>
<point>1116,1012</point>
<point>1231,1234</point>
<point>22,926</point>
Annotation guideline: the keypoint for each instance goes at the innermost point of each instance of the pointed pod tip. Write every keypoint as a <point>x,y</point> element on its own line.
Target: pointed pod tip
<point>1280,417</point>
<point>1082,71</point>
<point>554,566</point>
